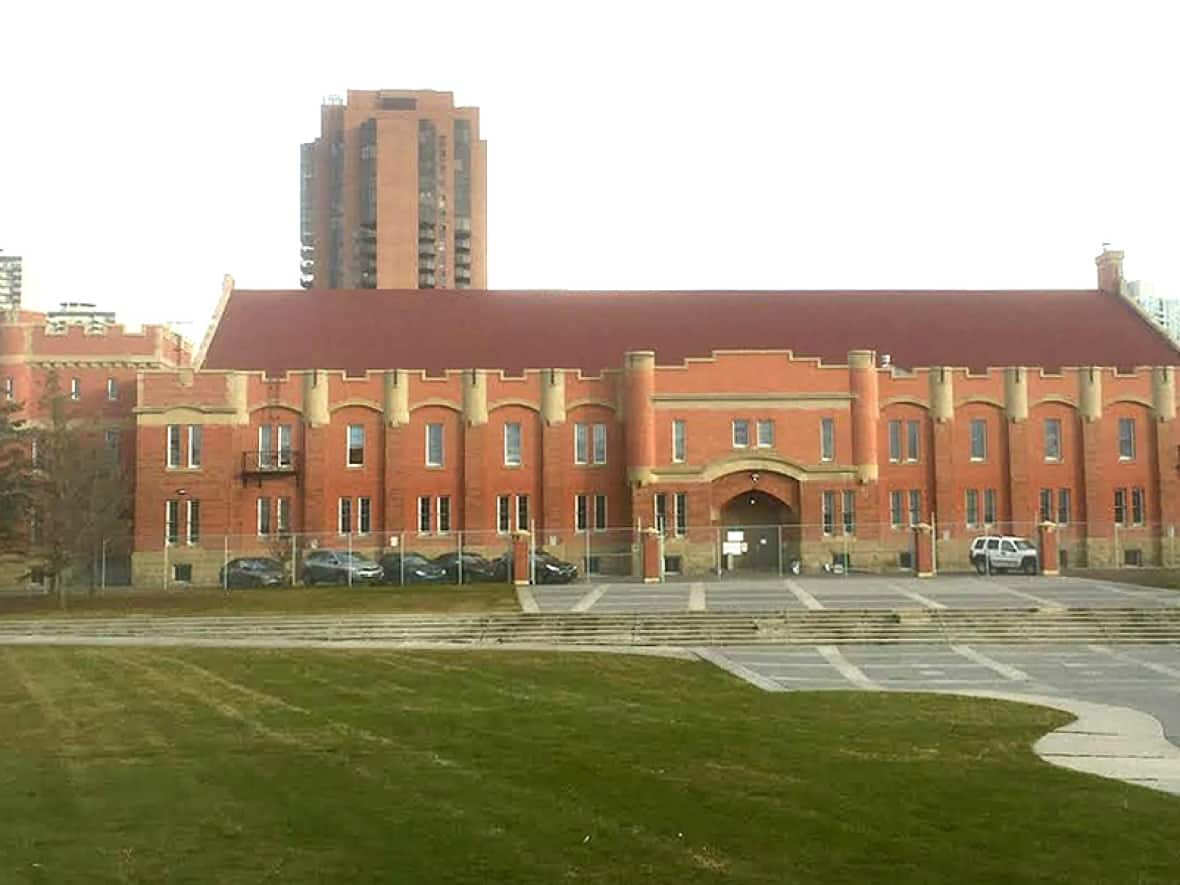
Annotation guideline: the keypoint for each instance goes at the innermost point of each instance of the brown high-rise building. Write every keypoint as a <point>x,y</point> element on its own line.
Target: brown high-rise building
<point>393,194</point>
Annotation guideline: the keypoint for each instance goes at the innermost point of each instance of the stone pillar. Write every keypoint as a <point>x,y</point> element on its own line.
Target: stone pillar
<point>1110,271</point>
<point>942,416</point>
<point>317,512</point>
<point>923,550</point>
<point>653,566</point>
<point>1048,548</point>
<point>395,404</point>
<point>1097,494</point>
<point>639,382</point>
<point>556,497</point>
<point>1020,493</point>
<point>520,558</point>
<point>866,412</point>
<point>477,514</point>
<point>1167,460</point>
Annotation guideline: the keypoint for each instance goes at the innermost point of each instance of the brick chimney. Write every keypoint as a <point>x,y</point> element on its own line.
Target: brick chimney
<point>1110,270</point>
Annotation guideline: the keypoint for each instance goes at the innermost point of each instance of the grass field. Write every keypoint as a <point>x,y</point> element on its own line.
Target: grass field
<point>135,765</point>
<point>290,600</point>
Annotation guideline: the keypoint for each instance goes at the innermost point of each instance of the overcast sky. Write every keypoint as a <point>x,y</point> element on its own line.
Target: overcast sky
<point>146,150</point>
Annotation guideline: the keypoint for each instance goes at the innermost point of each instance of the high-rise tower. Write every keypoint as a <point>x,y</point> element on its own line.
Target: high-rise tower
<point>10,282</point>
<point>393,194</point>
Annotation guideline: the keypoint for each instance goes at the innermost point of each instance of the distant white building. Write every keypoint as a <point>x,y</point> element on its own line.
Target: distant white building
<point>1165,311</point>
<point>10,282</point>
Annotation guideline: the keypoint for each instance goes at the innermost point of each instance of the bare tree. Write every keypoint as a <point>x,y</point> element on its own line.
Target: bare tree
<point>15,475</point>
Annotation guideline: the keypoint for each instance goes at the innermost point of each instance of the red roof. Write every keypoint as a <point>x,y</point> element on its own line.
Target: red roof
<point>458,329</point>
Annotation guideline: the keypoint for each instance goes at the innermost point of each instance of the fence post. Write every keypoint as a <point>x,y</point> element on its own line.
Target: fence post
<point>225,562</point>
<point>717,551</point>
<point>1116,545</point>
<point>103,575</point>
<point>401,560</point>
<point>933,542</point>
<point>779,533</point>
<point>349,557</point>
<point>294,557</point>
<point>459,550</point>
<point>532,551</point>
<point>847,561</point>
<point>165,560</point>
<point>586,559</point>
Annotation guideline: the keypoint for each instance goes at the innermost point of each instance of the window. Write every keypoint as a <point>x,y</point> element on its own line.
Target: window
<point>356,445</point>
<point>172,453</point>
<point>434,445</point>
<point>1046,505</point>
<point>1063,506</point>
<point>194,445</point>
<point>849,512</point>
<point>522,513</point>
<point>1126,439</point>
<point>829,512</point>
<point>896,506</point>
<point>741,433</point>
<point>599,443</point>
<point>512,444</point>
<point>266,446</point>
<point>915,507</point>
<point>364,512</point>
<point>580,514</point>
<point>1120,506</point>
<point>193,531</point>
<point>972,507</point>
<point>112,389</point>
<point>678,440</point>
<point>989,506</point>
<point>111,439</point>
<point>1052,439</point>
<point>283,513</point>
<point>284,431</point>
<point>1137,507</point>
<point>827,439</point>
<point>75,389</point>
<point>444,514</point>
<point>182,573</point>
<point>681,507</point>
<point>424,515</point>
<point>978,439</point>
<point>264,523</point>
<point>765,430</point>
<point>172,521</point>
<point>503,514</point>
<point>344,516</point>
<point>600,513</point>
<point>9,389</point>
<point>661,514</point>
<point>581,444</point>
<point>913,430</point>
<point>895,441</point>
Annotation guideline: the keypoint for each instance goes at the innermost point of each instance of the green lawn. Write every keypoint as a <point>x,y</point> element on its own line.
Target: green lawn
<point>444,599</point>
<point>138,765</point>
<point>1168,578</point>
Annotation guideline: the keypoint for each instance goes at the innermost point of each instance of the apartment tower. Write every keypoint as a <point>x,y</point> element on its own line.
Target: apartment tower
<point>10,282</point>
<point>393,194</point>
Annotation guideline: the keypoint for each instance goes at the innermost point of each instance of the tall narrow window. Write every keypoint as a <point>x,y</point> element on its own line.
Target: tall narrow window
<point>1052,439</point>
<point>112,389</point>
<point>194,445</point>
<point>915,506</point>
<point>741,433</point>
<point>895,441</point>
<point>522,512</point>
<point>424,515</point>
<point>1137,507</point>
<point>111,438</point>
<point>913,435</point>
<point>9,388</point>
<point>75,389</point>
<point>503,514</point>
<point>434,445</point>
<point>600,513</point>
<point>1120,506</point>
<point>263,516</point>
<point>765,430</point>
<point>978,439</point>
<point>266,446</point>
<point>512,444</point>
<point>364,515</point>
<point>661,512</point>
<point>581,444</point>
<point>896,508</point>
<point>580,514</point>
<point>599,443</point>
<point>284,453</point>
<point>193,523</point>
<point>681,507</point>
<point>849,512</point>
<point>827,439</point>
<point>444,514</point>
<point>989,506</point>
<point>1126,439</point>
<point>172,521</point>
<point>1064,510</point>
<point>829,512</point>
<point>283,515</point>
<point>172,449</point>
<point>972,508</point>
<point>356,445</point>
<point>344,515</point>
<point>1046,505</point>
<point>678,440</point>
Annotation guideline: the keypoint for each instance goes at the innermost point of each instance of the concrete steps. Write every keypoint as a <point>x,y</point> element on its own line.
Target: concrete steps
<point>823,627</point>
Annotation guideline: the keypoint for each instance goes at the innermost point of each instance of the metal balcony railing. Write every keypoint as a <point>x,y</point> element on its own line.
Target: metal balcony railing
<point>269,462</point>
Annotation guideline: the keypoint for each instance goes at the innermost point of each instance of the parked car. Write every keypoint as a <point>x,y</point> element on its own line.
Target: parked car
<point>335,566</point>
<point>411,568</point>
<point>548,569</point>
<point>998,553</point>
<point>476,568</point>
<point>252,571</point>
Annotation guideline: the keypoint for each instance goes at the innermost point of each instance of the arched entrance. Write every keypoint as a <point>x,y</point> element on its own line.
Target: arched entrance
<point>759,533</point>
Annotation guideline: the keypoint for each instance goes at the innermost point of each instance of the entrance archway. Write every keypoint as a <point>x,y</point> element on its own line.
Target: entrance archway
<point>759,531</point>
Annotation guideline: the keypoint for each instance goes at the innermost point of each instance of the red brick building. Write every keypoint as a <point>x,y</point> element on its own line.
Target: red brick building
<point>821,423</point>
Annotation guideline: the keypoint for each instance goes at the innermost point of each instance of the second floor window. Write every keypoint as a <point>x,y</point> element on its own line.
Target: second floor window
<point>9,389</point>
<point>112,389</point>
<point>194,445</point>
<point>274,445</point>
<point>434,445</point>
<point>1052,439</point>
<point>895,441</point>
<point>1126,439</point>
<point>599,452</point>
<point>765,429</point>
<point>581,444</point>
<point>512,444</point>
<point>356,445</point>
<point>827,439</point>
<point>75,389</point>
<point>678,440</point>
<point>741,433</point>
<point>978,439</point>
<point>913,433</point>
<point>172,448</point>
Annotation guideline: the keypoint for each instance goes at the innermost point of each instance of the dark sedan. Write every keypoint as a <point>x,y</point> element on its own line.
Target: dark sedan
<point>547,568</point>
<point>476,568</point>
<point>411,568</point>
<point>252,571</point>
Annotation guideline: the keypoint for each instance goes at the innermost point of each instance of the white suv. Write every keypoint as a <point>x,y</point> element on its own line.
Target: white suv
<point>998,553</point>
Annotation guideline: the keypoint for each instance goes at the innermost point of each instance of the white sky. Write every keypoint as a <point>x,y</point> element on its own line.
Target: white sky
<point>146,150</point>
